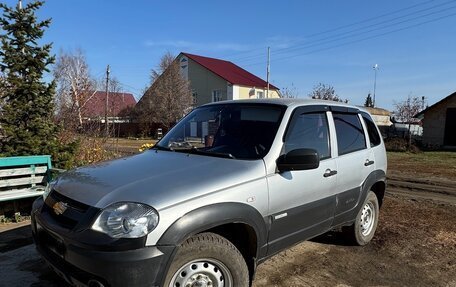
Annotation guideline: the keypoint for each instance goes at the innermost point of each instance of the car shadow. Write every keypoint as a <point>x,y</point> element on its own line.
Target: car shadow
<point>333,237</point>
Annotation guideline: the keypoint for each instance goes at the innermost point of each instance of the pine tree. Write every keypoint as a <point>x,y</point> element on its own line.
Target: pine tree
<point>368,103</point>
<point>26,120</point>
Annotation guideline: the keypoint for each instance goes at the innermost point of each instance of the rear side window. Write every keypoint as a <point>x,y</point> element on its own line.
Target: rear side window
<point>350,134</point>
<point>374,137</point>
<point>309,131</point>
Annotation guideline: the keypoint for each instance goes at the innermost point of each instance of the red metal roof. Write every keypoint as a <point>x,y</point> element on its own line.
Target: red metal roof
<point>96,105</point>
<point>230,72</point>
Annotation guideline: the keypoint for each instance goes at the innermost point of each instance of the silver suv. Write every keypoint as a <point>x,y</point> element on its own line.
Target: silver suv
<point>232,184</point>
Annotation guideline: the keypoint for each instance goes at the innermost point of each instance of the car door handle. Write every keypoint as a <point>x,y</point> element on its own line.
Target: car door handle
<point>368,162</point>
<point>329,173</point>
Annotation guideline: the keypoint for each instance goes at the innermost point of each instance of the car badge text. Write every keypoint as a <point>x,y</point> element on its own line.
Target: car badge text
<point>59,207</point>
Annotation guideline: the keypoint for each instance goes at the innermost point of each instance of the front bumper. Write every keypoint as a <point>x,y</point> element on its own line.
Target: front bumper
<point>83,264</point>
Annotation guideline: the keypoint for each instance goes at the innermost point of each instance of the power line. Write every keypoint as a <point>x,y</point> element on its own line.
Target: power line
<point>342,27</point>
<point>370,19</point>
<point>385,22</point>
<point>351,34</point>
<point>359,40</point>
<point>368,31</point>
<point>137,93</point>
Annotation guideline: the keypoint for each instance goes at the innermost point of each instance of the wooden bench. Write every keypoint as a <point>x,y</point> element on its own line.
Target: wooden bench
<point>24,176</point>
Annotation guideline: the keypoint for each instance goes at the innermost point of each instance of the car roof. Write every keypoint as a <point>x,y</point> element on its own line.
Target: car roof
<point>287,102</point>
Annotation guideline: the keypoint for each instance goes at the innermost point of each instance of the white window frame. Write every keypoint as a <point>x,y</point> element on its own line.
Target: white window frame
<point>216,95</point>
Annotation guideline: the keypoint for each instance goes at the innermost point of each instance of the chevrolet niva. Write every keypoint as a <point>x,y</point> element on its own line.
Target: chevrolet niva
<point>232,184</point>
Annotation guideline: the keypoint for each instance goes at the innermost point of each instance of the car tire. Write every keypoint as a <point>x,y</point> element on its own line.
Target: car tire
<point>207,257</point>
<point>363,229</point>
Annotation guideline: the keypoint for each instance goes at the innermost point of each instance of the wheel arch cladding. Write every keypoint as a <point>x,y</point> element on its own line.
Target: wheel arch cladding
<point>239,223</point>
<point>213,217</point>
<point>376,181</point>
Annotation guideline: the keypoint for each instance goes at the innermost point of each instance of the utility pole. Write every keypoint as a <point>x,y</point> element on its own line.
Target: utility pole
<point>375,82</point>
<point>267,71</point>
<point>107,97</point>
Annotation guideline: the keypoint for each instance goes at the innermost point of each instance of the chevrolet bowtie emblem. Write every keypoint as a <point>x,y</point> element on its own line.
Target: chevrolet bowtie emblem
<point>59,207</point>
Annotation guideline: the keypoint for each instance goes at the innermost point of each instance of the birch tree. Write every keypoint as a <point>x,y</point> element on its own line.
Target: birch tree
<point>75,87</point>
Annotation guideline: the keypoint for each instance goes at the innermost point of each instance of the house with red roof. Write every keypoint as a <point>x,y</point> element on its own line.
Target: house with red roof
<point>118,104</point>
<point>215,80</point>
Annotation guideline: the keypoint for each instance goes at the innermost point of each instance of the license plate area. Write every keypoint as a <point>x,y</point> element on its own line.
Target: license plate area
<point>50,241</point>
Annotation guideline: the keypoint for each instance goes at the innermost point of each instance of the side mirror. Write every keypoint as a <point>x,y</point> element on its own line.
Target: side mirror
<point>299,159</point>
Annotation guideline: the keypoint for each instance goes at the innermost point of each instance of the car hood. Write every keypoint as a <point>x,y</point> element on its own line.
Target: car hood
<point>157,178</point>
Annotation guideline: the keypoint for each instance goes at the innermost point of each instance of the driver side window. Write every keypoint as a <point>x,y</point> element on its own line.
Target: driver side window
<point>309,130</point>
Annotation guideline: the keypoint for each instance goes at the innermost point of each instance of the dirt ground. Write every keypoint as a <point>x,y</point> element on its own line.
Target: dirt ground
<point>415,243</point>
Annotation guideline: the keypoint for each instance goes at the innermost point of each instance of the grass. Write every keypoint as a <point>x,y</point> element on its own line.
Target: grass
<point>129,143</point>
<point>423,164</point>
<point>126,146</point>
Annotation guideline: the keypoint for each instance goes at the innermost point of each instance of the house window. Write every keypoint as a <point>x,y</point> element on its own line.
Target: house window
<point>194,97</point>
<point>260,95</point>
<point>216,95</point>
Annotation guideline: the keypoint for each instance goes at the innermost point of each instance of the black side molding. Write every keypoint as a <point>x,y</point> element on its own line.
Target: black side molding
<point>348,216</point>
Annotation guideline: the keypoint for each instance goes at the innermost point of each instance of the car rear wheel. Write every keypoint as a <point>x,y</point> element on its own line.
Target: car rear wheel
<point>363,230</point>
<point>207,260</point>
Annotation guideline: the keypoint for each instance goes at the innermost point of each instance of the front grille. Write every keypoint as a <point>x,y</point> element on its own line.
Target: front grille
<point>75,213</point>
<point>71,202</point>
<point>67,269</point>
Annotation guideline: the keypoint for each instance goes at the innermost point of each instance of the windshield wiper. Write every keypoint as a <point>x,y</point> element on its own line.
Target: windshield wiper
<point>159,147</point>
<point>209,153</point>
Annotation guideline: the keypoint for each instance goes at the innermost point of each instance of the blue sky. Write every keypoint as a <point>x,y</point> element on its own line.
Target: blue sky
<point>131,36</point>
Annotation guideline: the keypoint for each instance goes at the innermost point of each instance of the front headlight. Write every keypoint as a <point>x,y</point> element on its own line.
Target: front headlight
<point>126,220</point>
<point>48,189</point>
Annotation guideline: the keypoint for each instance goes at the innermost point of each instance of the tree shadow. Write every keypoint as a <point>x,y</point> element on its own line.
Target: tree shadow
<point>15,238</point>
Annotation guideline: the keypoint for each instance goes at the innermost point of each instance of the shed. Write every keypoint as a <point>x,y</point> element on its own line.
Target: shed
<point>439,123</point>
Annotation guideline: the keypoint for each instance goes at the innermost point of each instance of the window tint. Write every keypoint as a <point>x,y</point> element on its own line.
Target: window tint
<point>242,131</point>
<point>309,131</point>
<point>372,131</point>
<point>350,134</point>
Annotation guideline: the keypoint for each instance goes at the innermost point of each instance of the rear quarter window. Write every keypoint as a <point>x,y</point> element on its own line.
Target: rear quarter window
<point>374,136</point>
<point>350,133</point>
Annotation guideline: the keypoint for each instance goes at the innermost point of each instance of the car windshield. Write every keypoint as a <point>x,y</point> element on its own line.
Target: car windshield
<point>240,131</point>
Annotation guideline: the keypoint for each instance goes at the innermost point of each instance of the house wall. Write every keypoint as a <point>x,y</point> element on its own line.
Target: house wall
<point>244,92</point>
<point>434,122</point>
<point>382,120</point>
<point>230,91</point>
<point>183,63</point>
<point>203,82</point>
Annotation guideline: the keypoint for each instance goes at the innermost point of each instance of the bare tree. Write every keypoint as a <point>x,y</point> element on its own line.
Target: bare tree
<point>405,112</point>
<point>166,60</point>
<point>169,98</point>
<point>115,94</point>
<point>115,90</point>
<point>289,92</point>
<point>75,87</point>
<point>325,92</point>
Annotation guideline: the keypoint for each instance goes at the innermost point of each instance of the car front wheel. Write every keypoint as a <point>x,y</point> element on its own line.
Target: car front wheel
<point>207,259</point>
